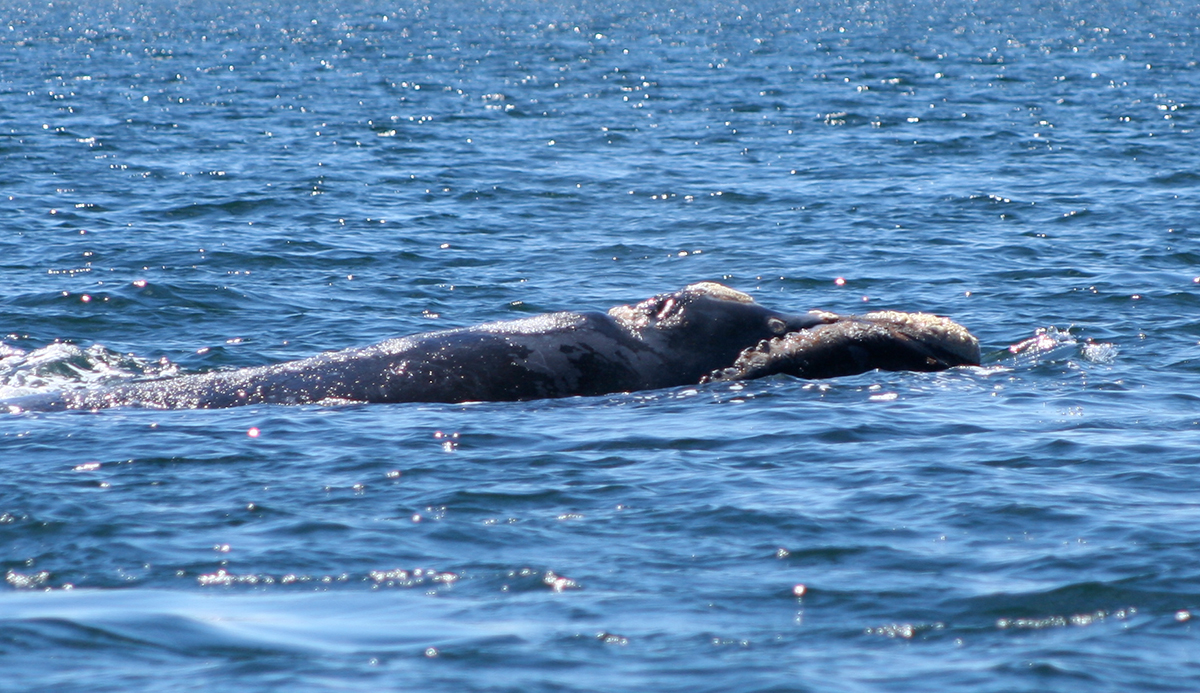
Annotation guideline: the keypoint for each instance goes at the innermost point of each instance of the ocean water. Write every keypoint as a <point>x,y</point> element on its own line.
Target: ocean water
<point>186,187</point>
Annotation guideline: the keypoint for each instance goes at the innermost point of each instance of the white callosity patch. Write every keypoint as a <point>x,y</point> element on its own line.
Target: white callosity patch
<point>719,291</point>
<point>945,332</point>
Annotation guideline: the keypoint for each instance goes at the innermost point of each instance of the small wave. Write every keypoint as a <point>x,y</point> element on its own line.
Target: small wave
<point>1073,215</point>
<point>1177,179</point>
<point>905,631</point>
<point>233,207</point>
<point>377,578</point>
<point>846,118</point>
<point>1062,621</point>
<point>1052,344</point>
<point>989,199</point>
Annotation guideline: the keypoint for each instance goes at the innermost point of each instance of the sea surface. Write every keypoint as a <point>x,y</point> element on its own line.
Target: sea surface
<point>188,186</point>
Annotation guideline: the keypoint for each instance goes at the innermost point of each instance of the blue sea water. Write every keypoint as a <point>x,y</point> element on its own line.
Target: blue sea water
<point>202,185</point>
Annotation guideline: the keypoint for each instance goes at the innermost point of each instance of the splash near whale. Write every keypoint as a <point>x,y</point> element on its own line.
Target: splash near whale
<point>704,332</point>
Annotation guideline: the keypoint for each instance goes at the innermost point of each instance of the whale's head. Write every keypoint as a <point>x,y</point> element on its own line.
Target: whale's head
<point>707,323</point>
<point>850,344</point>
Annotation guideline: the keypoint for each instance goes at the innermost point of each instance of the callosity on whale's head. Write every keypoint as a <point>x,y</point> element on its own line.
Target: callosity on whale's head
<point>709,306</point>
<point>666,310</point>
<point>955,346</point>
<point>704,326</point>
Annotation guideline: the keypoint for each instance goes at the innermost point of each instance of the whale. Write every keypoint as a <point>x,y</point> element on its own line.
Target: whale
<point>703,333</point>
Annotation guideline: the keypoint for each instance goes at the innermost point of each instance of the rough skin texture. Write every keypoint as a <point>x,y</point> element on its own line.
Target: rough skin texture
<point>887,340</point>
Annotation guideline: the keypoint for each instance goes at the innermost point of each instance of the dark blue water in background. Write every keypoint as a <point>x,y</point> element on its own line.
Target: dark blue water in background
<point>193,186</point>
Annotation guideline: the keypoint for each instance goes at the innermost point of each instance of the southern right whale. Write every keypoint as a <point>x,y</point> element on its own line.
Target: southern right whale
<point>703,332</point>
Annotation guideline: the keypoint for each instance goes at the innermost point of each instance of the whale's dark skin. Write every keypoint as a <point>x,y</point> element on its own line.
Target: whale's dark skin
<point>703,332</point>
